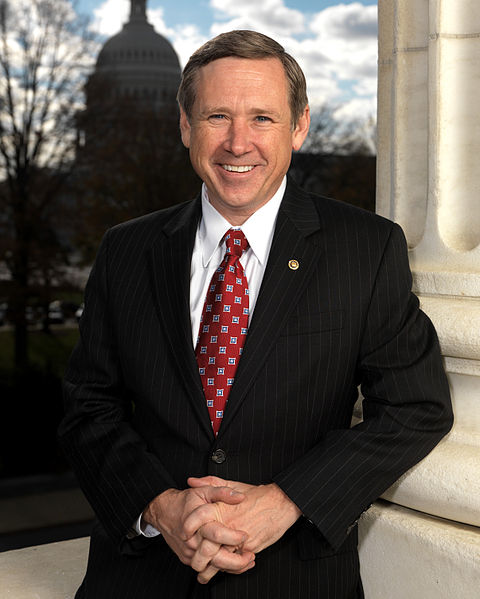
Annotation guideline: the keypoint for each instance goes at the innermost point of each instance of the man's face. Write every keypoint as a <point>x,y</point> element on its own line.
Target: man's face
<point>240,133</point>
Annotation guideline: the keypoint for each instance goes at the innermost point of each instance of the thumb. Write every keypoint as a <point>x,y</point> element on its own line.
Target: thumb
<point>225,494</point>
<point>207,481</point>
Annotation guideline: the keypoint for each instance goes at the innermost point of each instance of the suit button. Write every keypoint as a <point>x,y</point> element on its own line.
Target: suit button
<point>218,456</point>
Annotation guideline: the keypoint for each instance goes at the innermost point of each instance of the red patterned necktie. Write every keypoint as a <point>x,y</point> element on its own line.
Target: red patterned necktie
<point>223,327</point>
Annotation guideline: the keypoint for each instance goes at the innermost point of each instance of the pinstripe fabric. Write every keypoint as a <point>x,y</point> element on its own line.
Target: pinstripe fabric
<point>137,422</point>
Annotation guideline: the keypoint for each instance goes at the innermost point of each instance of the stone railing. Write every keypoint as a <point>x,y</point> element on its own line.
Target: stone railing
<point>51,571</point>
<point>442,566</point>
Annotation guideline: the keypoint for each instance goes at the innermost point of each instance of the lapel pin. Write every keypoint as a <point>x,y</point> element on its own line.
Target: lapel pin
<point>293,264</point>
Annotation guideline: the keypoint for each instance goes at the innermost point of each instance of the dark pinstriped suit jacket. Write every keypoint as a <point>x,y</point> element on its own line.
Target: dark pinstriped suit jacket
<point>137,423</point>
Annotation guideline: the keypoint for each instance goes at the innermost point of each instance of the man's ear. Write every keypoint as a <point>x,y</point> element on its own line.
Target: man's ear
<point>185,128</point>
<point>301,129</point>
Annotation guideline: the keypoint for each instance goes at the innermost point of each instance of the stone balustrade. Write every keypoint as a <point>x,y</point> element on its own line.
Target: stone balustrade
<point>440,549</point>
<point>52,571</point>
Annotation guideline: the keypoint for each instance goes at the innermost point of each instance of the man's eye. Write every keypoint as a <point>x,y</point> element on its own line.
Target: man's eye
<point>263,119</point>
<point>216,116</point>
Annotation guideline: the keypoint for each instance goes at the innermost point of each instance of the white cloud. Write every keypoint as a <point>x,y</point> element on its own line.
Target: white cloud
<point>186,39</point>
<point>271,17</point>
<point>110,16</point>
<point>336,47</point>
<point>363,108</point>
<point>347,35</point>
<point>346,21</point>
<point>155,17</point>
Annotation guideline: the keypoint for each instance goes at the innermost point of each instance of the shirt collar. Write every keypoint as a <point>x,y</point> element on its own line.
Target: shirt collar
<point>258,228</point>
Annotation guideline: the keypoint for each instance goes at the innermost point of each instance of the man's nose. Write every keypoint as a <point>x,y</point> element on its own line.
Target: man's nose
<point>238,139</point>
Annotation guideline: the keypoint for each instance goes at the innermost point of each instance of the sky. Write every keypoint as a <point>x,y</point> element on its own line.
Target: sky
<point>334,42</point>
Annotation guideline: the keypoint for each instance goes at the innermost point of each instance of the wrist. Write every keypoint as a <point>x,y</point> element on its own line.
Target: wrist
<point>290,505</point>
<point>156,512</point>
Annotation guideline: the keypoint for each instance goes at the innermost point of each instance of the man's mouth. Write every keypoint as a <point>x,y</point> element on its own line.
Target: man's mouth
<point>237,169</point>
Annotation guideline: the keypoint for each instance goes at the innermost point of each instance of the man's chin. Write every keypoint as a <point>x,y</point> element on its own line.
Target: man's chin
<point>235,202</point>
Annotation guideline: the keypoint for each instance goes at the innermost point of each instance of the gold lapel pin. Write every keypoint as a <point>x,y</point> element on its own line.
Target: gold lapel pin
<point>293,264</point>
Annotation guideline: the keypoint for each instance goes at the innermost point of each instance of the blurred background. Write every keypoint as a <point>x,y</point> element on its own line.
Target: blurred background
<point>89,138</point>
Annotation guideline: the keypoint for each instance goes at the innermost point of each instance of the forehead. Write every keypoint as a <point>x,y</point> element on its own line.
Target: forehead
<point>245,76</point>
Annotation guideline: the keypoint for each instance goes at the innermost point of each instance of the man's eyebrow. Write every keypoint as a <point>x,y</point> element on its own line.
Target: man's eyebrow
<point>209,110</point>
<point>264,110</point>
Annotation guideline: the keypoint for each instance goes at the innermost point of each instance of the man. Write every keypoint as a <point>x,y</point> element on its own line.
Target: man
<point>232,458</point>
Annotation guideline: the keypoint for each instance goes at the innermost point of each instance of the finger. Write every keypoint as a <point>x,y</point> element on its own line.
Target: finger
<point>208,518</point>
<point>198,517</point>
<point>217,482</point>
<point>219,534</point>
<point>209,511</point>
<point>206,481</point>
<point>225,494</point>
<point>203,556</point>
<point>232,562</point>
<point>193,543</point>
<point>207,575</point>
<point>245,563</point>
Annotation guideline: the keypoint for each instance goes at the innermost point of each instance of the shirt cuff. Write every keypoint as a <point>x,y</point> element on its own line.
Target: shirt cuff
<point>146,530</point>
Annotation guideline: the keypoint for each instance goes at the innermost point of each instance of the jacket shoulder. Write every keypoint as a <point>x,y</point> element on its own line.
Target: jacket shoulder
<point>342,213</point>
<point>350,224</point>
<point>341,218</point>
<point>152,222</point>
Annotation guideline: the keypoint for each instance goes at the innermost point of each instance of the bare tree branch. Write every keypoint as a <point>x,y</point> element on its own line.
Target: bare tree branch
<point>45,49</point>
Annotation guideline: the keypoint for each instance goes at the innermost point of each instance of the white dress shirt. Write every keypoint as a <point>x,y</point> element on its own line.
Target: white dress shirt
<point>208,253</point>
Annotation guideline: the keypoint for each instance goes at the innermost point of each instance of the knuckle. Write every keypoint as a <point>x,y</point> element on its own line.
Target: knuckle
<point>183,535</point>
<point>213,533</point>
<point>191,544</point>
<point>203,550</point>
<point>208,550</point>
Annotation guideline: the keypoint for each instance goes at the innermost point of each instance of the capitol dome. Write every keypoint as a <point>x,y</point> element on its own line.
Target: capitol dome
<point>138,62</point>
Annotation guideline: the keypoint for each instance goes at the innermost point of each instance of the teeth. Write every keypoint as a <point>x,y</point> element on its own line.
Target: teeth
<point>237,169</point>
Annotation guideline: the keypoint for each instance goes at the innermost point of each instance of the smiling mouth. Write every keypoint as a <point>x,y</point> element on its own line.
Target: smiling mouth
<point>237,169</point>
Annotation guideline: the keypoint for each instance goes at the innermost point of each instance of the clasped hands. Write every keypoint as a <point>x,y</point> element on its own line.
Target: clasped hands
<point>220,524</point>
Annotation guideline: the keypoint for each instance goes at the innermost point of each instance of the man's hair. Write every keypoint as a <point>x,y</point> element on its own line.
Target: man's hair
<point>244,44</point>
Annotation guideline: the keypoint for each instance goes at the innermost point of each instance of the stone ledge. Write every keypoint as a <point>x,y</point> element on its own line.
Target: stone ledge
<point>446,483</point>
<point>52,571</point>
<point>404,553</point>
<point>457,321</point>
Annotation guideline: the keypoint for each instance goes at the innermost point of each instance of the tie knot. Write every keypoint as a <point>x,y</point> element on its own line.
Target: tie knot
<point>236,242</point>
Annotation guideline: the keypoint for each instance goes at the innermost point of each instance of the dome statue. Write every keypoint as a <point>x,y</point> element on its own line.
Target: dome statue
<point>137,63</point>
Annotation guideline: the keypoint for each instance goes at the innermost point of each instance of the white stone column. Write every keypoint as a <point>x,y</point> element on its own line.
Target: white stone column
<point>428,180</point>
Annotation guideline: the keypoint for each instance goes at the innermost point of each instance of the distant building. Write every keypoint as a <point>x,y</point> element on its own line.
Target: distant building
<point>136,69</point>
<point>139,62</point>
<point>130,159</point>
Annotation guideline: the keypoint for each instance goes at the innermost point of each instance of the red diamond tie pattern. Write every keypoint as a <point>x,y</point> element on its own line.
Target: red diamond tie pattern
<point>223,327</point>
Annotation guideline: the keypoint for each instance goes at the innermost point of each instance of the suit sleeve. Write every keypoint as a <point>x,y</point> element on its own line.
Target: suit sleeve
<point>406,408</point>
<point>117,473</point>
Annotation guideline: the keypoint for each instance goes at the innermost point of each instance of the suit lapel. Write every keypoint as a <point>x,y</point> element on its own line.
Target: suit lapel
<point>296,238</point>
<point>170,262</point>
